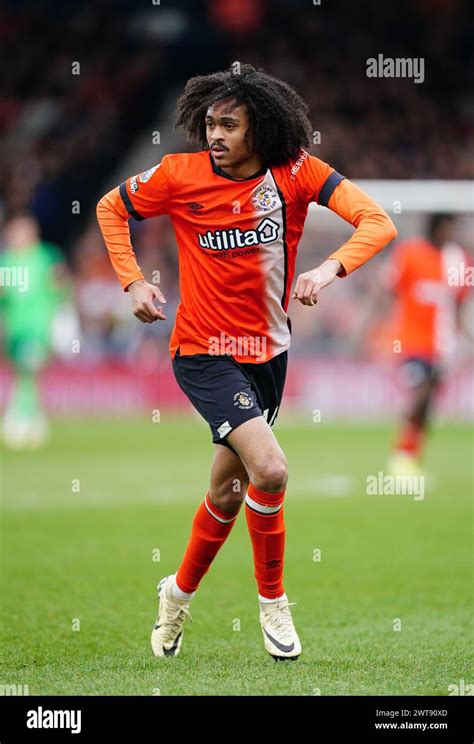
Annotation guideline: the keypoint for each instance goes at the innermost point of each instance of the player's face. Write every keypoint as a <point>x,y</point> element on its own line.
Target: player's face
<point>20,233</point>
<point>226,127</point>
<point>444,233</point>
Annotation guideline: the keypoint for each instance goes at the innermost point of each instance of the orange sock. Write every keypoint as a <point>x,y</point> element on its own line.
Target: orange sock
<point>264,513</point>
<point>410,440</point>
<point>211,526</point>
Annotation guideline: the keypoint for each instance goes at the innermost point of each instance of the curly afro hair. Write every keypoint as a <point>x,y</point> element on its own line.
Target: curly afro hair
<point>278,116</point>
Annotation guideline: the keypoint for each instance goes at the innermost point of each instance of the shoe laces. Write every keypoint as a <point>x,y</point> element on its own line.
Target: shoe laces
<point>279,618</point>
<point>173,619</point>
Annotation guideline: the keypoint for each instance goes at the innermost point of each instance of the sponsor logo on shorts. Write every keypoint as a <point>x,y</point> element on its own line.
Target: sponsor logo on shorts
<point>243,400</point>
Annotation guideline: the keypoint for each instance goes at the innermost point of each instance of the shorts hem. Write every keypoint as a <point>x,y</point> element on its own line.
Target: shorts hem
<point>255,414</point>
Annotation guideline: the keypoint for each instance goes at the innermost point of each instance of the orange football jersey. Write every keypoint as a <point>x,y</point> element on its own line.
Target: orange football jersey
<point>237,242</point>
<point>428,285</point>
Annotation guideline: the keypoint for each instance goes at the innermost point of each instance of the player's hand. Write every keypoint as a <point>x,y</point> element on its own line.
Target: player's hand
<point>143,293</point>
<point>309,284</point>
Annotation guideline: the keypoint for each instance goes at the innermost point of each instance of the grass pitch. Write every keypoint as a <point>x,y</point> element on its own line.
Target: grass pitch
<point>86,519</point>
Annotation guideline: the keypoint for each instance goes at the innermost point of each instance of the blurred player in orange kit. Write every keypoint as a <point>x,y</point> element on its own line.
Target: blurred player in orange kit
<point>426,279</point>
<point>238,208</point>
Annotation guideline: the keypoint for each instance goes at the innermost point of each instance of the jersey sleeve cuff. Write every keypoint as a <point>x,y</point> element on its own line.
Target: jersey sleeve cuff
<point>130,281</point>
<point>343,271</point>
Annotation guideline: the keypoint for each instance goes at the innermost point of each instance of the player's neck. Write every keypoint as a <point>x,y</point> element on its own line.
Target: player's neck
<point>245,168</point>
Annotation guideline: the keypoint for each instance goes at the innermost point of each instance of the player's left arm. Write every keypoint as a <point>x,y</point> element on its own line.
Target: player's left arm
<point>374,230</point>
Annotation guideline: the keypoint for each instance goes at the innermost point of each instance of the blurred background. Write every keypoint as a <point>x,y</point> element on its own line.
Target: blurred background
<point>99,507</point>
<point>90,100</point>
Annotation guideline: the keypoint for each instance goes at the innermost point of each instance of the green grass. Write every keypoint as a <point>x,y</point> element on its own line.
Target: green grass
<point>88,554</point>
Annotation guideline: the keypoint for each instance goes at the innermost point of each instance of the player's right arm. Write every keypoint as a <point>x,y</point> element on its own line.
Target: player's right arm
<point>319,182</point>
<point>141,196</point>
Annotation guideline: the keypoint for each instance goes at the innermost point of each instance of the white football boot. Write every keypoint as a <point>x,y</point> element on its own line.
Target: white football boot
<point>279,634</point>
<point>21,433</point>
<point>402,464</point>
<point>167,634</point>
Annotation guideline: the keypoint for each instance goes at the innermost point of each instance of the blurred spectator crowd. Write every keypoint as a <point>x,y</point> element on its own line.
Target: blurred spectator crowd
<point>83,81</point>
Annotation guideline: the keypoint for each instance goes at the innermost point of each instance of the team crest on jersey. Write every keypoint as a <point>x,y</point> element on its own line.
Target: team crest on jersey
<point>264,198</point>
<point>144,177</point>
<point>242,400</point>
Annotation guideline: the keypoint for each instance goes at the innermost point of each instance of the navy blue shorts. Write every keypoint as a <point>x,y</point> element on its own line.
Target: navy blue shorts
<point>226,393</point>
<point>416,371</point>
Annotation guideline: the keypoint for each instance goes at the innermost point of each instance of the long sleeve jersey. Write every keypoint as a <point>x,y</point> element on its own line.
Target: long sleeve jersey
<point>237,240</point>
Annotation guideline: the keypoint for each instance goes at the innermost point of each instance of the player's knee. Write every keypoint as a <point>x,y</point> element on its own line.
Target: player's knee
<point>272,475</point>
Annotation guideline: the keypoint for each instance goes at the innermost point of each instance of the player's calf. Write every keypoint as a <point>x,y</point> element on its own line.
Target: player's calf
<point>229,481</point>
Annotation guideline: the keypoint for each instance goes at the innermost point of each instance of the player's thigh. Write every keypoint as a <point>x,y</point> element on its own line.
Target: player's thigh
<point>423,394</point>
<point>423,397</point>
<point>229,479</point>
<point>424,391</point>
<point>261,454</point>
